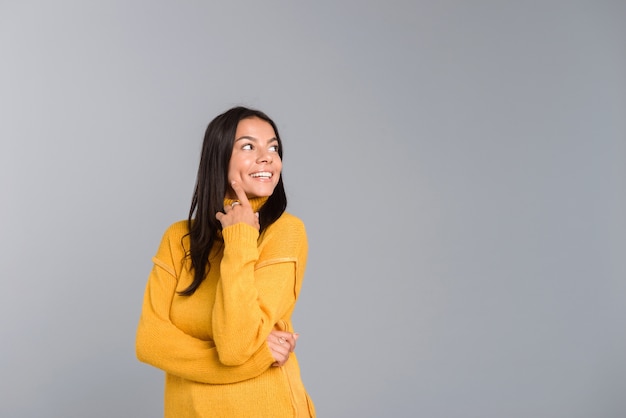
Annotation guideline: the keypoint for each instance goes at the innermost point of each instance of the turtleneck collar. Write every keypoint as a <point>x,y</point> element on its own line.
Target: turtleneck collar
<point>256,202</point>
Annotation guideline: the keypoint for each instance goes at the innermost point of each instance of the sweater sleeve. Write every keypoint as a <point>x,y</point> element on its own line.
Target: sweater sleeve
<point>161,344</point>
<point>258,286</point>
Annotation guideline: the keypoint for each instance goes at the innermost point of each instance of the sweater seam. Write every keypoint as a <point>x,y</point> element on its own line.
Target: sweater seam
<point>164,266</point>
<point>275,261</point>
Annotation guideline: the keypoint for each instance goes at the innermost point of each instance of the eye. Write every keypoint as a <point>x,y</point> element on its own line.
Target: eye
<point>246,147</point>
<point>274,148</point>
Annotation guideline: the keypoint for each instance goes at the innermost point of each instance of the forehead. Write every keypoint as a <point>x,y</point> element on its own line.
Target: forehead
<point>255,128</point>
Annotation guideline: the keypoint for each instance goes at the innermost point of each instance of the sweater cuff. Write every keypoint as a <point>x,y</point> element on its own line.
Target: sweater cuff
<point>241,232</point>
<point>267,356</point>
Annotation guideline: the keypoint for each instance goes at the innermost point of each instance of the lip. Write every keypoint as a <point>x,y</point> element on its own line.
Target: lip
<point>267,175</point>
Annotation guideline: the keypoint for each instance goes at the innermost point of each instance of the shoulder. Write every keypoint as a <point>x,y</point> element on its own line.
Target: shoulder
<point>288,223</point>
<point>285,239</point>
<point>176,231</point>
<point>287,233</point>
<point>174,238</point>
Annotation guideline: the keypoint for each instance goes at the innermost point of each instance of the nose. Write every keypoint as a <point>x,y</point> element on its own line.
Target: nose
<point>265,157</point>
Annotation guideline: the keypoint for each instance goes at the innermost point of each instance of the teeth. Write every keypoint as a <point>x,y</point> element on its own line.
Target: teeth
<point>262,174</point>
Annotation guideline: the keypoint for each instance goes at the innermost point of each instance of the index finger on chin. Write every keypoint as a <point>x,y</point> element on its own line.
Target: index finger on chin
<point>241,194</point>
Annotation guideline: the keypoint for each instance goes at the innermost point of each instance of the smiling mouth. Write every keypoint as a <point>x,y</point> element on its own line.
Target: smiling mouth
<point>261,174</point>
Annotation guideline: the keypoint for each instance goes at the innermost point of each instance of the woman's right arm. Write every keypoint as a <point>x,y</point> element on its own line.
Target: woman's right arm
<point>161,344</point>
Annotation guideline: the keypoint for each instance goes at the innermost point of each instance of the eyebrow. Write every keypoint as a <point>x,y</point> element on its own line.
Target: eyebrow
<point>251,138</point>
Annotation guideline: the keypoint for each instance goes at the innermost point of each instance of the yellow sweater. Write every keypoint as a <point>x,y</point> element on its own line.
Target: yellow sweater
<point>212,345</point>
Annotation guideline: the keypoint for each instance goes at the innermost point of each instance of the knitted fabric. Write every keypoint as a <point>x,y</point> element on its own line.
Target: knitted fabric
<point>212,344</point>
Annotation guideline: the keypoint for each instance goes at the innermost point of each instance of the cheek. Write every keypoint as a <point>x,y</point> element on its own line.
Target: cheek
<point>280,170</point>
<point>236,167</point>
<point>231,173</point>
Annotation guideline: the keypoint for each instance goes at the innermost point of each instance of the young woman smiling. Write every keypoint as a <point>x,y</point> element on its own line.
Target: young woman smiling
<point>216,314</point>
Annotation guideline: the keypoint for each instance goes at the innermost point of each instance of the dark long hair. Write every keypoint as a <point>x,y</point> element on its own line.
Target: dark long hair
<point>211,186</point>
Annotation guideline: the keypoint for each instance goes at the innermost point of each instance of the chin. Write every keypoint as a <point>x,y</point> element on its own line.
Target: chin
<point>253,195</point>
<point>259,193</point>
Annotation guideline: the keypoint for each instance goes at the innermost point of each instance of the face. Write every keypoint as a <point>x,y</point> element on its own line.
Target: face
<point>255,163</point>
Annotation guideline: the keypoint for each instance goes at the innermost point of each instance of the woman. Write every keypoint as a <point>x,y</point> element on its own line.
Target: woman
<point>217,308</point>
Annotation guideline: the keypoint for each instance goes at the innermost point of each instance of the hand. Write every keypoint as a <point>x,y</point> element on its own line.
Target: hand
<point>241,212</point>
<point>281,344</point>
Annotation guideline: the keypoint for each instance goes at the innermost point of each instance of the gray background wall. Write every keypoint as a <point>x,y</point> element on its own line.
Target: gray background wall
<point>460,166</point>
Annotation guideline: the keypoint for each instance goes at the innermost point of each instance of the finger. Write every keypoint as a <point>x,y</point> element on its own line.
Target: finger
<point>279,338</point>
<point>287,339</point>
<point>288,336</point>
<point>292,340</point>
<point>295,340</point>
<point>279,352</point>
<point>284,341</point>
<point>241,194</point>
